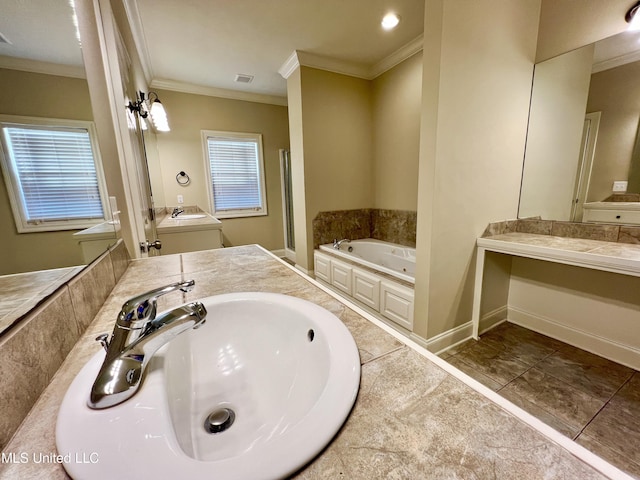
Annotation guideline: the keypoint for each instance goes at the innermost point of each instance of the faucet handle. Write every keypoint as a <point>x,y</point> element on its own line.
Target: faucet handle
<point>142,308</point>
<point>103,338</point>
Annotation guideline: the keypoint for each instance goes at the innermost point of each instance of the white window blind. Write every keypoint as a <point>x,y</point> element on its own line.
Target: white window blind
<point>236,174</point>
<point>51,172</point>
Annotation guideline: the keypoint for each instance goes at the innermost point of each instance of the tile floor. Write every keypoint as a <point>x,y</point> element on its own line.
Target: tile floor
<point>590,399</point>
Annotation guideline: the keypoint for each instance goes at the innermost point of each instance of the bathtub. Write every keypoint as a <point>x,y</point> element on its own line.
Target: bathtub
<point>396,260</point>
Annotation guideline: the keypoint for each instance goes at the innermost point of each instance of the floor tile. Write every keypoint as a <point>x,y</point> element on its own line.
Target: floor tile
<point>572,406</point>
<point>523,345</point>
<point>473,373</point>
<point>617,428</point>
<point>612,456</point>
<point>494,363</point>
<point>586,371</point>
<point>541,414</point>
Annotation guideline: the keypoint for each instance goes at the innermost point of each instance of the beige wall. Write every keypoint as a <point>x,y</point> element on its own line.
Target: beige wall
<point>478,64</point>
<point>615,93</point>
<point>396,135</point>
<point>558,106</point>
<point>39,95</point>
<point>181,150</point>
<point>333,148</point>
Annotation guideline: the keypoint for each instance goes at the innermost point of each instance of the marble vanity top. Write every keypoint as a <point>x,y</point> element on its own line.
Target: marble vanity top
<point>612,205</point>
<point>415,417</point>
<point>609,256</point>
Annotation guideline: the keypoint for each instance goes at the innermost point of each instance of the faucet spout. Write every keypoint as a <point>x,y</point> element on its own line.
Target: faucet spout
<point>124,367</point>
<point>337,243</point>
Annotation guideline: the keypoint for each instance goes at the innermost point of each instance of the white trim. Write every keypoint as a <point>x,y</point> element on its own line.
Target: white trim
<point>604,347</point>
<point>256,138</point>
<point>353,69</point>
<point>182,87</point>
<point>397,57</point>
<point>554,436</point>
<point>13,186</point>
<point>139,39</point>
<point>615,62</point>
<point>37,66</point>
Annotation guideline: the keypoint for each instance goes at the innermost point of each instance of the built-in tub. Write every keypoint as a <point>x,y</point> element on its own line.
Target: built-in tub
<point>396,260</point>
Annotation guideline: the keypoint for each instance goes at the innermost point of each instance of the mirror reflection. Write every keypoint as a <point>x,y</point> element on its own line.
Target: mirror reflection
<point>55,212</point>
<point>581,161</point>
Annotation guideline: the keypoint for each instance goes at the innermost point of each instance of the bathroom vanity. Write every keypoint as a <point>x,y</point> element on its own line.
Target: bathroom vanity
<point>612,212</point>
<point>548,294</point>
<point>191,231</point>
<point>415,416</point>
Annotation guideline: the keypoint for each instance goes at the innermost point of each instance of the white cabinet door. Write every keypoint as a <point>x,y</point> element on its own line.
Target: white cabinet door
<point>366,288</point>
<point>322,267</point>
<point>396,303</point>
<point>341,276</point>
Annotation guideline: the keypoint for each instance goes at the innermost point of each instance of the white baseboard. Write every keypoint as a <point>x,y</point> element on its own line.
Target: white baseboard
<point>604,347</point>
<point>454,337</point>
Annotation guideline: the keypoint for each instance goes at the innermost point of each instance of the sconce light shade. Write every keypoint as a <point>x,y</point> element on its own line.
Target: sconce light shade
<point>633,17</point>
<point>147,107</point>
<point>159,116</point>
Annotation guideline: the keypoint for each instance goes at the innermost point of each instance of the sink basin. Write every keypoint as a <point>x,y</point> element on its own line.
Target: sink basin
<point>273,376</point>
<point>190,216</point>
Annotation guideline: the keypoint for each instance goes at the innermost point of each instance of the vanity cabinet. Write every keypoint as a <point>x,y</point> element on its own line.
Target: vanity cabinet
<point>382,296</point>
<point>612,212</point>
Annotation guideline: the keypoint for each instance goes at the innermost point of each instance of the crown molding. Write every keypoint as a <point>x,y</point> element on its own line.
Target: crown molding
<point>615,62</point>
<point>397,57</point>
<point>353,69</point>
<point>182,87</point>
<point>36,66</point>
<point>137,31</point>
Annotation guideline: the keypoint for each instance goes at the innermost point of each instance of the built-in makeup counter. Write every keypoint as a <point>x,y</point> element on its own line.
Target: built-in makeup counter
<point>581,306</point>
<point>94,241</point>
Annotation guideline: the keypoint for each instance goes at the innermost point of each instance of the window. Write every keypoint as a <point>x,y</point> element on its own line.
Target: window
<point>235,169</point>
<point>52,172</point>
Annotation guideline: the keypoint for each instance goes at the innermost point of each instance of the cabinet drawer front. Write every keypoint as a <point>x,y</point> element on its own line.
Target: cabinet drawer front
<point>396,303</point>
<point>612,216</point>
<point>341,276</point>
<point>322,267</point>
<point>366,288</point>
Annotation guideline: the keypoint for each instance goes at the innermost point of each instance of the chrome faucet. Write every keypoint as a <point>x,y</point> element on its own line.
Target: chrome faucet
<point>177,211</point>
<point>137,335</point>
<point>337,243</point>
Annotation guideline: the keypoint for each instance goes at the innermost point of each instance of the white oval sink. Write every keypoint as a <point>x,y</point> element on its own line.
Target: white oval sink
<point>190,216</point>
<point>287,368</point>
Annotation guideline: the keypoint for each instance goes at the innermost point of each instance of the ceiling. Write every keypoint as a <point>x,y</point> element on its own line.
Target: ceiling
<point>205,43</point>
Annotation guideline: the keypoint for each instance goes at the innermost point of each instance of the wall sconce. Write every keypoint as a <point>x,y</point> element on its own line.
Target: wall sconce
<point>152,106</point>
<point>633,17</point>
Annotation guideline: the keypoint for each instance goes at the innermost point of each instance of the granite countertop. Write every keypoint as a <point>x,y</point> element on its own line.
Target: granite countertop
<point>415,416</point>
<point>610,256</point>
<point>20,292</point>
<point>102,231</point>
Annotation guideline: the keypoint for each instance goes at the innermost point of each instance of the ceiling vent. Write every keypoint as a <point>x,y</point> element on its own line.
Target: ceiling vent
<point>241,78</point>
<point>4,39</point>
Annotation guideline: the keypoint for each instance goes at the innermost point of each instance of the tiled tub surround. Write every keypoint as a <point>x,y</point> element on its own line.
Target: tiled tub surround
<point>394,226</point>
<point>415,416</point>
<point>34,348</point>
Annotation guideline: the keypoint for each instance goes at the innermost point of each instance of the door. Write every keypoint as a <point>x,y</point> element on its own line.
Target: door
<point>587,152</point>
<point>287,205</point>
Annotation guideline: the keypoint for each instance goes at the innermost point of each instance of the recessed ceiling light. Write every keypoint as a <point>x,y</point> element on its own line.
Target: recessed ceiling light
<point>390,21</point>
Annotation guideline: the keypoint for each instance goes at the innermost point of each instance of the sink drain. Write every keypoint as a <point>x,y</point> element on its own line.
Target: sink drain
<point>219,420</point>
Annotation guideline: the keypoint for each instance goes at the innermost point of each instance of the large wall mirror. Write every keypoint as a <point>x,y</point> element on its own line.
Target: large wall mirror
<point>42,80</point>
<point>583,131</point>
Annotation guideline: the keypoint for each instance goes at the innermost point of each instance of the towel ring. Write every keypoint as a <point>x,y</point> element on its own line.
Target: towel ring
<point>182,178</point>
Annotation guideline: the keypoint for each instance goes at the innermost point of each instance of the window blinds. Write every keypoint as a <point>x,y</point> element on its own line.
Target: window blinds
<point>56,173</point>
<point>235,174</point>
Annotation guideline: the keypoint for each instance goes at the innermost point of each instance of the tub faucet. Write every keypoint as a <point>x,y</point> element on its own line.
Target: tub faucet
<point>137,335</point>
<point>337,243</point>
<point>177,211</point>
